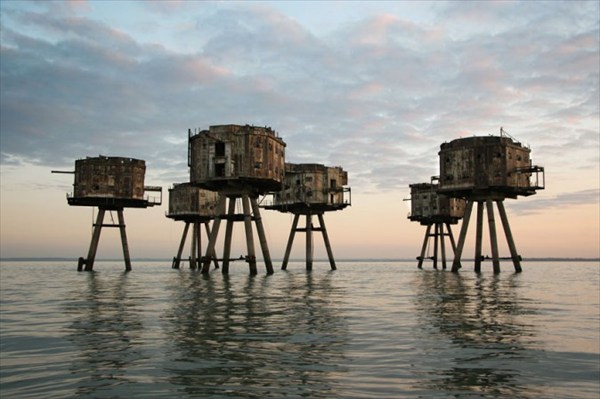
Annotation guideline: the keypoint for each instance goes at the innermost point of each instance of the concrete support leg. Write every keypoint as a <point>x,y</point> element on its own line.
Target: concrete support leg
<point>214,254</point>
<point>424,247</point>
<point>288,248</point>
<point>462,236</point>
<point>177,259</point>
<point>478,236</point>
<point>452,242</point>
<point>309,242</point>
<point>249,234</point>
<point>228,235</point>
<point>196,251</point>
<point>124,240</point>
<point>193,250</point>
<point>198,242</point>
<point>436,236</point>
<point>89,261</point>
<point>260,229</point>
<point>443,245</point>
<point>516,258</point>
<point>493,237</point>
<point>326,240</point>
<point>210,250</point>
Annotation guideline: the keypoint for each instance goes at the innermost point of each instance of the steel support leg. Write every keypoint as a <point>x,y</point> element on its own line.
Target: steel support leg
<point>249,234</point>
<point>228,234</point>
<point>442,245</point>
<point>196,249</point>
<point>462,237</point>
<point>288,248</point>
<point>124,239</point>
<point>177,259</point>
<point>214,254</point>
<point>260,229</point>
<point>424,247</point>
<point>516,258</point>
<point>210,250</point>
<point>452,242</point>
<point>436,236</point>
<point>326,240</point>
<point>309,242</point>
<point>89,262</point>
<point>478,236</point>
<point>493,237</point>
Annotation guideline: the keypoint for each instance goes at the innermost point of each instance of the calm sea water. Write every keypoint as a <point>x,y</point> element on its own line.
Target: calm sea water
<point>367,330</point>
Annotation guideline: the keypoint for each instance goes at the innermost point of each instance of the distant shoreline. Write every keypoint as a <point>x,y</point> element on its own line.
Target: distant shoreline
<point>51,259</point>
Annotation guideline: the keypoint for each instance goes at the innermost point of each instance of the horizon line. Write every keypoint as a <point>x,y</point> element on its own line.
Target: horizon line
<point>69,259</point>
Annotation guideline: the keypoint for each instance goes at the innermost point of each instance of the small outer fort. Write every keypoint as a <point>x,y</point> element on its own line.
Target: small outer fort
<point>195,207</point>
<point>311,189</point>
<point>111,184</point>
<point>435,211</point>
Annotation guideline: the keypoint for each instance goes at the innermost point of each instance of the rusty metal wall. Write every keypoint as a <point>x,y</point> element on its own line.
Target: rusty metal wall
<point>236,153</point>
<point>426,203</point>
<point>109,177</point>
<point>185,199</point>
<point>312,184</point>
<point>483,163</point>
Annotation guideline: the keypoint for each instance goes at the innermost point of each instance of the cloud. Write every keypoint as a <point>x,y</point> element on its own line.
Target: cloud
<point>376,96</point>
<point>559,201</point>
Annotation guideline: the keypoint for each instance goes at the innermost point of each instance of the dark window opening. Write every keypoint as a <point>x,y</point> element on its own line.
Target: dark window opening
<point>220,170</point>
<point>220,149</point>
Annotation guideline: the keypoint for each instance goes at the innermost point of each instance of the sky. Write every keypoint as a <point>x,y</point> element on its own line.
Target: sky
<point>373,87</point>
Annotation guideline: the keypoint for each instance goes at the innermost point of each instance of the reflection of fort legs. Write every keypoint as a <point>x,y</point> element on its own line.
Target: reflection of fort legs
<point>484,319</point>
<point>107,331</point>
<point>265,338</point>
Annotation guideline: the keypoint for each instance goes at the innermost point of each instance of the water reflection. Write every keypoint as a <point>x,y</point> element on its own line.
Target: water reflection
<point>255,336</point>
<point>106,330</point>
<point>485,345</point>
